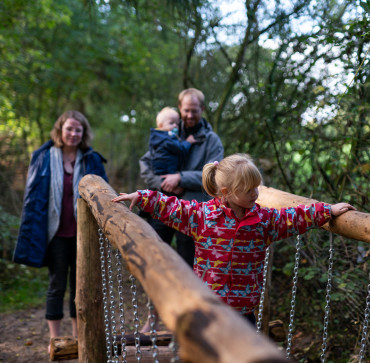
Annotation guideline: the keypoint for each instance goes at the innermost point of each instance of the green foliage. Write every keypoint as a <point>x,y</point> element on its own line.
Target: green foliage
<point>21,287</point>
<point>8,231</point>
<point>290,88</point>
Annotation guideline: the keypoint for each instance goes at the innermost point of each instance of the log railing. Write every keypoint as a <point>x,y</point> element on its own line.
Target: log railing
<point>206,329</point>
<point>353,224</point>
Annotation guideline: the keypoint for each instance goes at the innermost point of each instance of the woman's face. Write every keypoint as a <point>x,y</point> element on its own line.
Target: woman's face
<point>72,132</point>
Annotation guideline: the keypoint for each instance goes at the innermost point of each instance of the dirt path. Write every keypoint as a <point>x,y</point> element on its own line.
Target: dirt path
<point>24,336</point>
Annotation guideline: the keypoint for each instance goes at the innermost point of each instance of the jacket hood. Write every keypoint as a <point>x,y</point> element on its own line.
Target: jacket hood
<point>157,137</point>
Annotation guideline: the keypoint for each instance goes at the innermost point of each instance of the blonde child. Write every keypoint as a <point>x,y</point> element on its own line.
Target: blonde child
<point>231,232</point>
<point>167,149</point>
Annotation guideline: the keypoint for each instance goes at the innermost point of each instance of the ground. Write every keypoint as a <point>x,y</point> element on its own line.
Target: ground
<point>24,336</point>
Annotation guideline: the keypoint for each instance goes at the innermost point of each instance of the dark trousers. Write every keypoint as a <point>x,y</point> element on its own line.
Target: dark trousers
<point>185,244</point>
<point>61,261</point>
<point>251,318</point>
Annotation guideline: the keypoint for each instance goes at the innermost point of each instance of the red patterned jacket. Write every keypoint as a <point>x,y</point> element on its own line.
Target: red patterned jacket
<point>229,253</point>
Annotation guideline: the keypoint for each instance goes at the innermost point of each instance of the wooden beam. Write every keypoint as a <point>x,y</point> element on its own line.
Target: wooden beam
<point>353,224</point>
<point>206,329</point>
<point>89,295</point>
<point>65,348</point>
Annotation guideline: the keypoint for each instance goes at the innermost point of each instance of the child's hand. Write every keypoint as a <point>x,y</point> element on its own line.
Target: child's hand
<point>191,139</point>
<point>133,198</point>
<point>340,208</point>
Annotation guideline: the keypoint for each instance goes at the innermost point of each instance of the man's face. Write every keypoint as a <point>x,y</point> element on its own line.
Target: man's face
<point>190,110</point>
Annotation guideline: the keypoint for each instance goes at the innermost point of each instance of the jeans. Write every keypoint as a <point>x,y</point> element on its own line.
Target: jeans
<point>185,244</point>
<point>61,262</point>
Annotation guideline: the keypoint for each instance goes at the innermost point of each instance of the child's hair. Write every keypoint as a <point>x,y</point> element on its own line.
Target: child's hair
<point>236,172</point>
<point>164,113</point>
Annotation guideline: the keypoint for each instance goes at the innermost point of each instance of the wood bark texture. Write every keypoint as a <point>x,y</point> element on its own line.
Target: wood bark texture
<point>206,329</point>
<point>352,224</point>
<point>89,296</point>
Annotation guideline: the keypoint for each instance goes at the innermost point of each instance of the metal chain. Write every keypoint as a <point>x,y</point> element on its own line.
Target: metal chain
<point>105,297</point>
<point>153,331</point>
<point>328,297</point>
<point>112,302</point>
<point>121,307</point>
<point>294,292</point>
<point>174,349</point>
<point>365,326</point>
<point>262,298</point>
<point>136,318</point>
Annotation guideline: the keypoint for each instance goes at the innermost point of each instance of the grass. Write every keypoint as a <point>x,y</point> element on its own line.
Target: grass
<point>21,287</point>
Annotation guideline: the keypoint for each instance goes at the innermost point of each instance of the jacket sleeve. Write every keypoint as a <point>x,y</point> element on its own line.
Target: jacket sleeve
<point>179,214</point>
<point>287,222</point>
<point>146,172</point>
<point>192,179</point>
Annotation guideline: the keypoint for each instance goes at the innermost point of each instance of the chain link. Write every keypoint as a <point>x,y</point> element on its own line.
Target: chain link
<point>262,298</point>
<point>105,297</point>
<point>136,318</point>
<point>174,349</point>
<point>153,331</point>
<point>362,354</point>
<point>121,307</point>
<point>112,300</point>
<point>328,297</point>
<point>294,292</point>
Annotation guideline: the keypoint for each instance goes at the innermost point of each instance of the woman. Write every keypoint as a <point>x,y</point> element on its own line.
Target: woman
<point>47,235</point>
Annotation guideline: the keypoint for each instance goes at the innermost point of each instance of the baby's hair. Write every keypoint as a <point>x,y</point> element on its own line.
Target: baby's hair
<point>237,173</point>
<point>165,113</point>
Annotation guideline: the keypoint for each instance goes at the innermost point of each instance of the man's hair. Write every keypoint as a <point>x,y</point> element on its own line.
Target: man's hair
<point>193,92</point>
<point>56,132</point>
<point>164,113</point>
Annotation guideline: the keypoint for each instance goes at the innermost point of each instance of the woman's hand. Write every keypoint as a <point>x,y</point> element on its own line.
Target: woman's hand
<point>340,208</point>
<point>133,198</point>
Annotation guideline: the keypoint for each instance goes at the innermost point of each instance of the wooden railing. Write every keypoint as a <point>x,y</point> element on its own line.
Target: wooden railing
<point>206,329</point>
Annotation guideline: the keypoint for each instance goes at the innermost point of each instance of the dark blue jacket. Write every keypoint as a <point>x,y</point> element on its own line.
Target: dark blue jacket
<point>168,151</point>
<point>33,233</point>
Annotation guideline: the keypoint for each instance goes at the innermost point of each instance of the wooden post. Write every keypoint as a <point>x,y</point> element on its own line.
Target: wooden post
<point>89,296</point>
<point>206,329</point>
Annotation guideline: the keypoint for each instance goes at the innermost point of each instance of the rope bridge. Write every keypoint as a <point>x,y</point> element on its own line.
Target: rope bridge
<point>201,327</point>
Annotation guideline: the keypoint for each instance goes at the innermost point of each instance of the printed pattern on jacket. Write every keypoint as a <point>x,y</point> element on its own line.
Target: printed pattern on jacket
<point>230,253</point>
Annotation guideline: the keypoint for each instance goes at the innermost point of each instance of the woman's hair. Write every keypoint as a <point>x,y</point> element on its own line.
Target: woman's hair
<point>164,113</point>
<point>56,132</point>
<point>236,172</point>
<point>199,95</point>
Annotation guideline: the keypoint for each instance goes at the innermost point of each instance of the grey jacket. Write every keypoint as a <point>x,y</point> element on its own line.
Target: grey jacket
<point>208,149</point>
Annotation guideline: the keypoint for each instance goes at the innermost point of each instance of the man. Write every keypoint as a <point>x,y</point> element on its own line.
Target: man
<point>188,181</point>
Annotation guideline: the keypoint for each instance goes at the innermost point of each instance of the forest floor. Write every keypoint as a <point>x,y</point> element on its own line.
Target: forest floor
<point>24,336</point>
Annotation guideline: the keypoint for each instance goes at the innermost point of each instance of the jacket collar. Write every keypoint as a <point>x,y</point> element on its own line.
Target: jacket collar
<point>214,209</point>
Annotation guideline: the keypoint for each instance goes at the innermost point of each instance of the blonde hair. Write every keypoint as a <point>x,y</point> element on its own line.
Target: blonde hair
<point>199,95</point>
<point>56,132</point>
<point>237,173</point>
<point>164,113</point>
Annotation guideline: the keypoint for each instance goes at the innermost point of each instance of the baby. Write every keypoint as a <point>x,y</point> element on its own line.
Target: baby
<point>167,149</point>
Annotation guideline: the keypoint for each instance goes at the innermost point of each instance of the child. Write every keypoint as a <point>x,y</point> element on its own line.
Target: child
<point>166,148</point>
<point>231,232</point>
